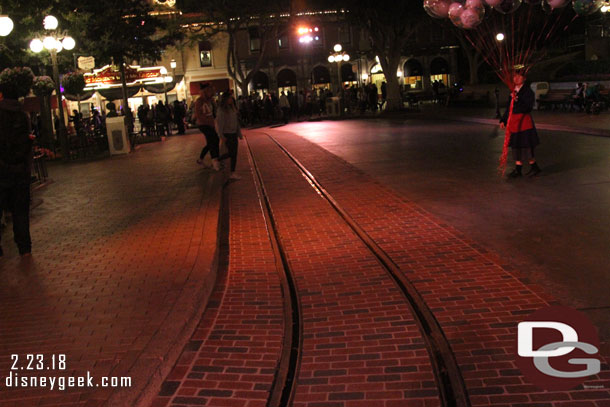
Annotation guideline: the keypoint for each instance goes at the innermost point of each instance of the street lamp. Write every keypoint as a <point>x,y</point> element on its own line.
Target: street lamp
<point>54,45</point>
<point>6,26</point>
<point>338,56</point>
<point>164,73</point>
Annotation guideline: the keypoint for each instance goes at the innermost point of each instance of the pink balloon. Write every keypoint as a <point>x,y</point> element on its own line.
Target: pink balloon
<point>474,3</point>
<point>437,8</point>
<point>557,3</point>
<point>470,18</point>
<point>493,3</point>
<point>455,9</point>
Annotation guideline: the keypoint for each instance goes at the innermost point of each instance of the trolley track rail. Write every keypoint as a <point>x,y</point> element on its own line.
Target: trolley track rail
<point>451,387</point>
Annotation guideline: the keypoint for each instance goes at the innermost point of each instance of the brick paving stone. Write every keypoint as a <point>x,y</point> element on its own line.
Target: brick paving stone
<point>355,319</point>
<point>477,301</point>
<point>232,356</point>
<point>114,244</point>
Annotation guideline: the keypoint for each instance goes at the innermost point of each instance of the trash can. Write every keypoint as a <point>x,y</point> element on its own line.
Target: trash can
<point>118,140</point>
<point>333,106</point>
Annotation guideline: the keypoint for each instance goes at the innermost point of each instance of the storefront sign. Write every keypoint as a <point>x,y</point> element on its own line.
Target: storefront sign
<point>107,76</point>
<point>86,63</point>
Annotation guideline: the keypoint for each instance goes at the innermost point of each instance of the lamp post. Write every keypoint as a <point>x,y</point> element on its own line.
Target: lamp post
<point>6,25</point>
<point>499,38</point>
<point>338,56</point>
<point>173,65</point>
<point>54,45</point>
<point>164,73</point>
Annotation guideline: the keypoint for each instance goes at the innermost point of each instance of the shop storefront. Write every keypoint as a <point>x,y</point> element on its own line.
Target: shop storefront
<point>286,81</point>
<point>144,86</point>
<point>320,77</point>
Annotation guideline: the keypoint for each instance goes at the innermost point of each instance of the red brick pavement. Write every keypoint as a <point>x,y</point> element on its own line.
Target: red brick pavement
<point>477,298</point>
<point>233,355</point>
<point>361,346</point>
<point>123,250</point>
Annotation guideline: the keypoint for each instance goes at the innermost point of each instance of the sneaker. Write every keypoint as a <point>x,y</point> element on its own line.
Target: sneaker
<point>234,176</point>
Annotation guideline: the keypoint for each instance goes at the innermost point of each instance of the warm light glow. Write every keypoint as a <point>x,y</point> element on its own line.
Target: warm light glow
<point>399,73</point>
<point>58,46</point>
<point>500,37</point>
<point>331,59</point>
<point>605,9</point>
<point>365,76</point>
<point>6,26</point>
<point>338,58</point>
<point>163,70</point>
<point>36,45</point>
<point>338,48</point>
<point>68,43</point>
<point>316,29</point>
<point>168,79</point>
<point>50,23</point>
<point>49,43</point>
<point>346,57</point>
<point>172,64</point>
<point>302,30</point>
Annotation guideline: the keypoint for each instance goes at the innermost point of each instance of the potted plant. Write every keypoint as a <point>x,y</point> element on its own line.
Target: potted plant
<point>16,82</point>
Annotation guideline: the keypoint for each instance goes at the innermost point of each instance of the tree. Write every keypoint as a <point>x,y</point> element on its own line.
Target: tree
<point>232,17</point>
<point>474,57</point>
<point>389,26</point>
<point>122,31</point>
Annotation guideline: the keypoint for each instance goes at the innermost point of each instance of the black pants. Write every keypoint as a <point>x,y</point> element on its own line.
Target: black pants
<point>211,142</point>
<point>17,200</point>
<point>180,125</point>
<point>232,144</point>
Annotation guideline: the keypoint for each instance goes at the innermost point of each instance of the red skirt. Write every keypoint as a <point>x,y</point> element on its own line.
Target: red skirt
<point>519,122</point>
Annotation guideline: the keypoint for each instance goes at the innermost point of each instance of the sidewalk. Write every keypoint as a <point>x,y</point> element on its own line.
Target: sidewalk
<point>572,122</point>
<point>124,255</point>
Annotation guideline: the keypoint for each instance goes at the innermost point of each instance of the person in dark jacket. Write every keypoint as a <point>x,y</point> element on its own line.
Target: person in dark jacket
<point>15,163</point>
<point>523,135</point>
<point>179,114</point>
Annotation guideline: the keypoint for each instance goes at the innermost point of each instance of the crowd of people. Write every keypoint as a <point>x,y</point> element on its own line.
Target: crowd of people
<point>588,98</point>
<point>269,107</point>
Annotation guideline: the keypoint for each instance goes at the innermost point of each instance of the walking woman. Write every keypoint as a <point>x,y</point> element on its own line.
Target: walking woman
<point>523,135</point>
<point>229,129</point>
<point>204,115</point>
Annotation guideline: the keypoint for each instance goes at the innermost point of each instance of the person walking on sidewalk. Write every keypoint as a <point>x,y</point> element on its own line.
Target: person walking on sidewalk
<point>523,135</point>
<point>229,129</point>
<point>16,155</point>
<point>204,116</point>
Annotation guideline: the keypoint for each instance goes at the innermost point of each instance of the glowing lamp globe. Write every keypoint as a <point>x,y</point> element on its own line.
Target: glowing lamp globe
<point>49,43</point>
<point>500,37</point>
<point>163,70</point>
<point>172,64</point>
<point>337,47</point>
<point>331,59</point>
<point>58,46</point>
<point>68,43</point>
<point>6,26</point>
<point>50,23</point>
<point>346,57</point>
<point>365,76</point>
<point>36,45</point>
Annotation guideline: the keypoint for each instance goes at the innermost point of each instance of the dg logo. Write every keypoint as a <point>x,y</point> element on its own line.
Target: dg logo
<point>558,348</point>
